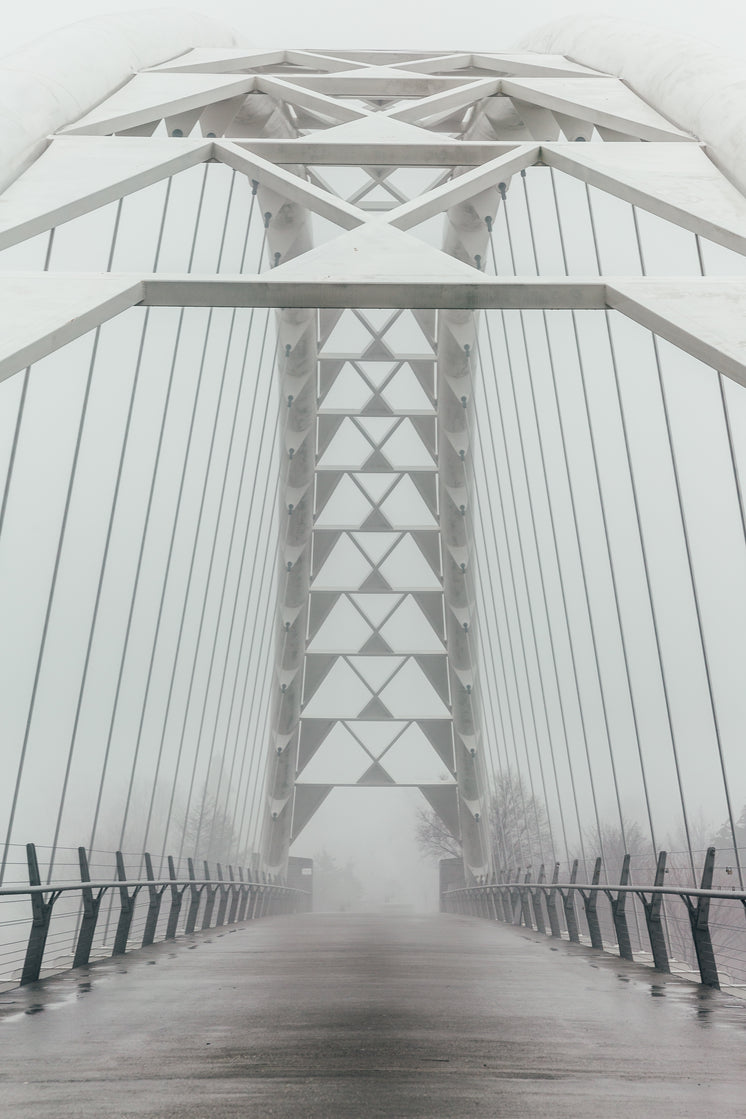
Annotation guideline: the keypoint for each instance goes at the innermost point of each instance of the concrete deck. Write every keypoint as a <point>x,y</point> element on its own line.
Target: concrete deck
<point>350,1017</point>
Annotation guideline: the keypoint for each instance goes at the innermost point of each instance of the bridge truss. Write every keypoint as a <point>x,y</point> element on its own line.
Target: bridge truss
<point>424,319</point>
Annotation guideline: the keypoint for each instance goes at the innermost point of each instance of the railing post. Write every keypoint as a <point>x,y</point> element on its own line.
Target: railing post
<point>194,900</point>
<point>245,892</point>
<point>536,896</point>
<point>154,905</point>
<point>259,898</point>
<point>652,910</point>
<point>177,896</point>
<point>41,911</point>
<point>503,897</point>
<point>261,901</point>
<point>551,900</point>
<point>495,899</point>
<point>235,892</point>
<point>91,906</point>
<point>590,902</point>
<point>496,904</point>
<point>253,896</point>
<point>568,901</point>
<point>618,913</point>
<point>268,908</point>
<point>126,909</point>
<point>492,899</point>
<point>224,894</point>
<point>515,902</point>
<point>508,897</point>
<point>699,914</point>
<point>477,900</point>
<point>211,891</point>
<point>525,902</point>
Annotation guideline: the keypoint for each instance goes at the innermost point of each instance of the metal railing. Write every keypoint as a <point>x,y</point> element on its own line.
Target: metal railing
<point>227,901</point>
<point>525,903</point>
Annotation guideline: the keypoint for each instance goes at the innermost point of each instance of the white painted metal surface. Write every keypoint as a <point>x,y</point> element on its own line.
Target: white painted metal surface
<point>77,174</point>
<point>40,314</point>
<point>678,182</point>
<point>150,97</point>
<point>603,100</point>
<point>59,77</point>
<point>699,88</point>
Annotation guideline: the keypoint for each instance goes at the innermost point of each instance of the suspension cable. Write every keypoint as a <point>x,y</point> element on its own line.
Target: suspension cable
<point>501,414</point>
<point>55,570</point>
<point>692,578</point>
<point>146,525</point>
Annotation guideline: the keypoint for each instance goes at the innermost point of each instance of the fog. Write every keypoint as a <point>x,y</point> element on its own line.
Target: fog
<point>443,25</point>
<point>374,829</point>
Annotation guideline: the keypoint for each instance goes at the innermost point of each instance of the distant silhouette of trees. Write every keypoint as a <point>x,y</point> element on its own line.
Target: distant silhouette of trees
<point>519,826</point>
<point>335,888</point>
<point>518,822</point>
<point>614,842</point>
<point>209,831</point>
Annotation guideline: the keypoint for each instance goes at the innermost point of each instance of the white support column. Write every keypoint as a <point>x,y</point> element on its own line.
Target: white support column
<point>466,238</point>
<point>289,235</point>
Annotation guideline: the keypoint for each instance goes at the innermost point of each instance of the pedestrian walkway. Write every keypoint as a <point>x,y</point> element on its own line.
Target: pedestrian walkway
<point>356,1016</point>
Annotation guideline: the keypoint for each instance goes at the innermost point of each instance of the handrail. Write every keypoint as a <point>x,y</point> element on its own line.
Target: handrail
<point>679,891</point>
<point>513,901</point>
<point>61,887</point>
<point>238,899</point>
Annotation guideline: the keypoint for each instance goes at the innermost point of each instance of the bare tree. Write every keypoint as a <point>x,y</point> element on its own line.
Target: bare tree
<point>433,837</point>
<point>519,828</point>
<point>209,831</point>
<point>614,842</point>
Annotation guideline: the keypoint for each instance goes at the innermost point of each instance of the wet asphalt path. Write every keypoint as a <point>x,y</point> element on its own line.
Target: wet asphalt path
<point>350,1017</point>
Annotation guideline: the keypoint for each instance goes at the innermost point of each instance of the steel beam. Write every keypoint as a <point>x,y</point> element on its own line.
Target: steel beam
<point>296,356</point>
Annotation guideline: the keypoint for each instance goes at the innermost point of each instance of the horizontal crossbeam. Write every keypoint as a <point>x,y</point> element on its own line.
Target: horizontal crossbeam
<point>668,307</point>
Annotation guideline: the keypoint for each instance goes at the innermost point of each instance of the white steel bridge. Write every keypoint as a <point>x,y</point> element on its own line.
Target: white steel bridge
<point>373,420</point>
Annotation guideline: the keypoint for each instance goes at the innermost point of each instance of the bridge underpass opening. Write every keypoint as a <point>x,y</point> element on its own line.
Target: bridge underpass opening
<point>373,832</point>
<point>375,313</point>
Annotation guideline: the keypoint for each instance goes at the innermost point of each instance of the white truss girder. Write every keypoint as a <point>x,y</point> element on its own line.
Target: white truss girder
<point>40,313</point>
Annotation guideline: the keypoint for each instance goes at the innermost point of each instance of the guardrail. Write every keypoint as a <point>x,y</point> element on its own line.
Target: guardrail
<point>523,903</point>
<point>227,901</point>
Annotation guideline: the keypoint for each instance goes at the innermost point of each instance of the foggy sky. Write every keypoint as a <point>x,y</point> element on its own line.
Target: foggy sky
<point>385,24</point>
